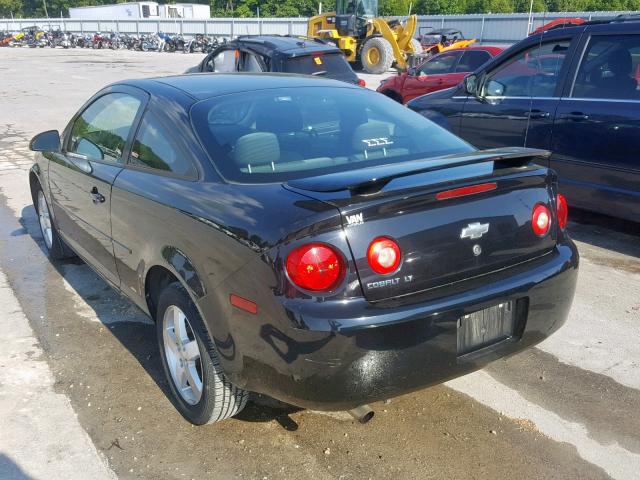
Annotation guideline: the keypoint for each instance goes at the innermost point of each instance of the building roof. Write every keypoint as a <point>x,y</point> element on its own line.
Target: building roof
<point>115,4</point>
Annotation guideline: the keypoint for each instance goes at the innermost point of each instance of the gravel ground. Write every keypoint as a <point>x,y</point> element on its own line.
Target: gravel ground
<point>80,367</point>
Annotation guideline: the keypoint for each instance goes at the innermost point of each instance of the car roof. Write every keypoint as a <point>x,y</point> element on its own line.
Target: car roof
<point>493,49</point>
<point>201,86</point>
<point>289,45</point>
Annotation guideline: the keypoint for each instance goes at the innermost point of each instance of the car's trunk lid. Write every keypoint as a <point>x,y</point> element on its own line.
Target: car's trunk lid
<point>443,237</point>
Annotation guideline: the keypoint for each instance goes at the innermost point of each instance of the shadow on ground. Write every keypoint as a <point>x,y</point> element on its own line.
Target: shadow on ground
<point>134,329</point>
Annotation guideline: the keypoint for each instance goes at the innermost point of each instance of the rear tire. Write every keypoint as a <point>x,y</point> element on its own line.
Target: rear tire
<point>54,245</point>
<point>199,389</point>
<point>376,55</point>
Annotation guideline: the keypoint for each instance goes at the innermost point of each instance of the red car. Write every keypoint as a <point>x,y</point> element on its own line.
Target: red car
<point>558,23</point>
<point>441,71</point>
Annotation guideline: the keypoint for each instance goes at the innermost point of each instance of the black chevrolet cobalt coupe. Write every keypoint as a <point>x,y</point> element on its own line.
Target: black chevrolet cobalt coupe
<point>304,238</point>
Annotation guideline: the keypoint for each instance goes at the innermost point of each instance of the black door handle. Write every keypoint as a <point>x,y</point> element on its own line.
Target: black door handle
<point>576,116</point>
<point>538,114</point>
<point>96,196</point>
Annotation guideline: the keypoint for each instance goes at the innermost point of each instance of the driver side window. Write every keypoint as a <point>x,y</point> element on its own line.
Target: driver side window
<point>440,65</point>
<point>532,73</point>
<point>101,131</point>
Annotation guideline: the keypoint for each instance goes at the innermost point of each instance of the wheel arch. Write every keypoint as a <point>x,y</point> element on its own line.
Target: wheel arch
<point>178,268</point>
<point>34,181</point>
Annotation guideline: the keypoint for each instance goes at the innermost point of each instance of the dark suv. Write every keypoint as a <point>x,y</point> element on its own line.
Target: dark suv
<point>275,53</point>
<point>574,91</point>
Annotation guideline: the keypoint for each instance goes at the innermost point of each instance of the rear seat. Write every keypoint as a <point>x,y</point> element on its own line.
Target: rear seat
<point>260,152</point>
<point>373,140</point>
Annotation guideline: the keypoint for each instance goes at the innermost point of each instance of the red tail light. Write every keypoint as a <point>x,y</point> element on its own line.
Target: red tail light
<point>540,220</point>
<point>383,255</point>
<point>562,210</point>
<point>316,267</point>
<point>362,83</point>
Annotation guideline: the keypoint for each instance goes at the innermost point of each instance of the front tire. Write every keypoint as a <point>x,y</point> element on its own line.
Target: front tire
<point>199,389</point>
<point>376,55</point>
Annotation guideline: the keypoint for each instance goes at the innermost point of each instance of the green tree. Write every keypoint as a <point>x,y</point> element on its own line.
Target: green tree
<point>10,7</point>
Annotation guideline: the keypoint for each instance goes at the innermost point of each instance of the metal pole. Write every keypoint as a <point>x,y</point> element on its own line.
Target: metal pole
<point>482,30</point>
<point>233,24</point>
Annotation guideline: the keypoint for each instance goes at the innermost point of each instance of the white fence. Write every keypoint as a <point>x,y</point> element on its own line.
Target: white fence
<point>490,28</point>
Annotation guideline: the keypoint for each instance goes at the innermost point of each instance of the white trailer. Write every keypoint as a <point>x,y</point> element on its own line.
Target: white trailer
<point>117,11</point>
<point>186,10</point>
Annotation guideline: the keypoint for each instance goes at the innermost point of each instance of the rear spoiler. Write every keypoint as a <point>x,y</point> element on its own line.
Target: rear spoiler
<point>372,179</point>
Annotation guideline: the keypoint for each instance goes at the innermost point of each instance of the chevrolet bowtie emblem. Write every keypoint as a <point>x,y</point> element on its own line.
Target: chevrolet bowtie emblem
<point>474,230</point>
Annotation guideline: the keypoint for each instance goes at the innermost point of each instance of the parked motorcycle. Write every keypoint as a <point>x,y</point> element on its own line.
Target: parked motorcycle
<point>174,43</point>
<point>99,41</point>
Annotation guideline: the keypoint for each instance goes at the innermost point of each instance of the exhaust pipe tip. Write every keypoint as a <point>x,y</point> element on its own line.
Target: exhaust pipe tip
<point>363,413</point>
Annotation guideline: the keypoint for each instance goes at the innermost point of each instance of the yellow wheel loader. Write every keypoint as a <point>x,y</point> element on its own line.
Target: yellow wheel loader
<point>375,43</point>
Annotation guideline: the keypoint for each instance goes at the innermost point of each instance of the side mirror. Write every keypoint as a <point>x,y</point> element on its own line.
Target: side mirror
<point>471,85</point>
<point>48,141</point>
<point>412,71</point>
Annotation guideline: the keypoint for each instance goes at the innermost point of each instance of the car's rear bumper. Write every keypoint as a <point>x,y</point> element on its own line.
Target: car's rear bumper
<point>338,355</point>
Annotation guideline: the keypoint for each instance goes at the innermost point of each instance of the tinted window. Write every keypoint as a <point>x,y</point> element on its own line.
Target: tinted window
<point>534,72</point>
<point>472,60</point>
<point>440,65</point>
<point>101,131</point>
<point>610,68</point>
<point>317,64</point>
<point>250,63</point>
<point>155,147</point>
<point>280,134</point>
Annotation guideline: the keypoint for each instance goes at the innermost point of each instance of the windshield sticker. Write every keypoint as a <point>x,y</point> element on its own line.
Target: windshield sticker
<point>377,142</point>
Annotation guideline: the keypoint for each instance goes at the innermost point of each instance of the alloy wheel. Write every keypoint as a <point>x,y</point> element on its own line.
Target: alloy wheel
<point>182,354</point>
<point>45,220</point>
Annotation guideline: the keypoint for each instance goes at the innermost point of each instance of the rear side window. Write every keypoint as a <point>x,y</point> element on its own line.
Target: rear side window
<point>472,60</point>
<point>156,148</point>
<point>317,64</point>
<point>610,68</point>
<point>101,131</point>
<point>281,134</point>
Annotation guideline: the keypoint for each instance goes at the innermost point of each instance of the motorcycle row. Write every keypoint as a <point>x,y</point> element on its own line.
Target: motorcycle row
<point>35,37</point>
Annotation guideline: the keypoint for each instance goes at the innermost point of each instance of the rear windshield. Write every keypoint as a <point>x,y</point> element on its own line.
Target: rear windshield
<point>283,134</point>
<point>318,64</point>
